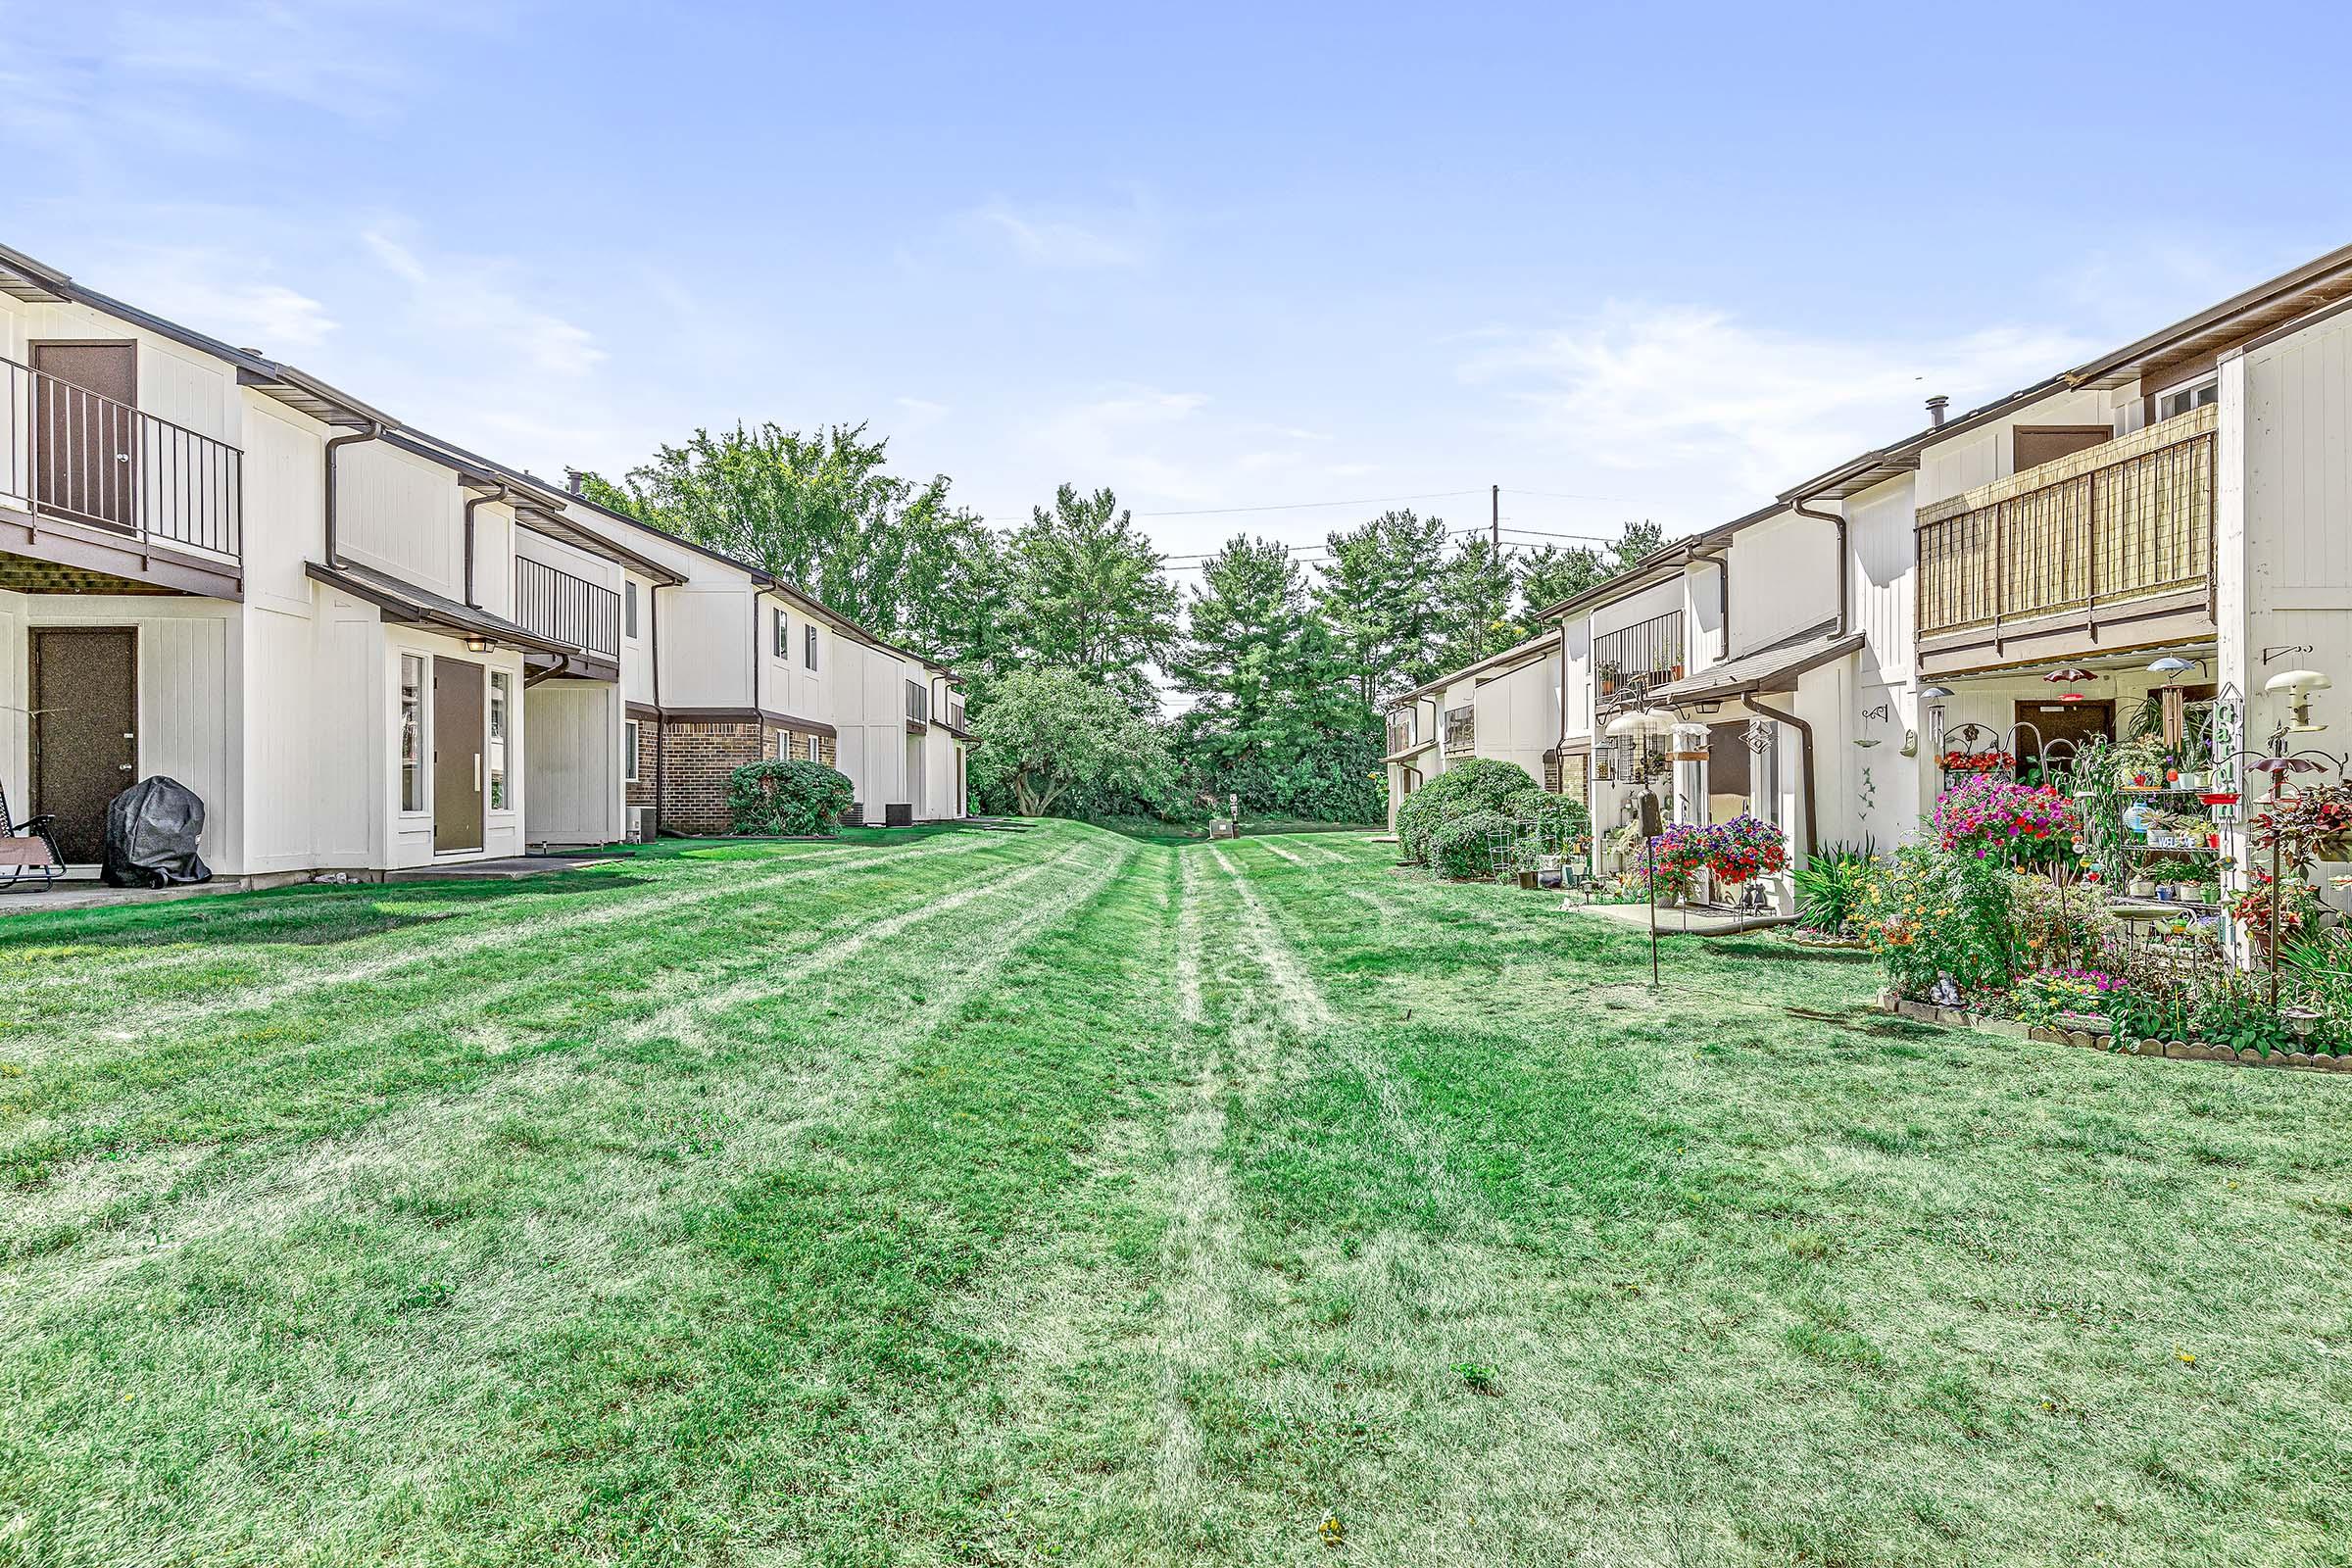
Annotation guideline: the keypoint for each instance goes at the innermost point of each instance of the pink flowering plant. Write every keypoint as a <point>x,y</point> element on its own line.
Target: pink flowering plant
<point>1993,820</point>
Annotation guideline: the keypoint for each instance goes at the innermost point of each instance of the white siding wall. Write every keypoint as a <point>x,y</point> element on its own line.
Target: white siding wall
<point>707,645</point>
<point>1784,582</point>
<point>2285,481</point>
<point>400,515</point>
<point>1989,452</point>
<point>574,769</point>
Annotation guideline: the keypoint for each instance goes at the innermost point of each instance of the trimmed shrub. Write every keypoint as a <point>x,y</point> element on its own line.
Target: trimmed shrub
<point>1474,784</point>
<point>792,798</point>
<point>1561,821</point>
<point>1463,846</point>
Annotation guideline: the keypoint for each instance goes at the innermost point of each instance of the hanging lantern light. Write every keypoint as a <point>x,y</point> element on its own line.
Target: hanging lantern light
<point>2071,681</point>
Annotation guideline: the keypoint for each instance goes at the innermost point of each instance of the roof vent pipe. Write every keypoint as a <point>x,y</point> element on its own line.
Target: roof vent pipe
<point>1936,407</point>
<point>578,482</point>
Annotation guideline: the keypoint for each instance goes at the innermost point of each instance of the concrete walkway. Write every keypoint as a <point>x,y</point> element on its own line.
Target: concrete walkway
<point>1688,922</point>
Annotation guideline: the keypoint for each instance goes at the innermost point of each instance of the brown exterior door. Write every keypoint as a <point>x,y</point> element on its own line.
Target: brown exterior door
<point>86,429</point>
<point>456,754</point>
<point>85,749</point>
<point>2070,722</point>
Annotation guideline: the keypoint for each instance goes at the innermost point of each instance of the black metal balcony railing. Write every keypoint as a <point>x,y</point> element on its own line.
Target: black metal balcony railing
<point>68,452</point>
<point>919,702</point>
<point>569,610</point>
<point>1634,661</point>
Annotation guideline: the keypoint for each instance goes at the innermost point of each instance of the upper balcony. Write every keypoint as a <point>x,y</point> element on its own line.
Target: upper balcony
<point>1632,662</point>
<point>97,496</point>
<point>2109,547</point>
<point>567,610</point>
<point>918,707</point>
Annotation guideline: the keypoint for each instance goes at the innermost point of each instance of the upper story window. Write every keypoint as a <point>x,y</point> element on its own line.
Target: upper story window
<point>1461,728</point>
<point>919,702</point>
<point>782,647</point>
<point>808,646</point>
<point>2182,399</point>
<point>628,608</point>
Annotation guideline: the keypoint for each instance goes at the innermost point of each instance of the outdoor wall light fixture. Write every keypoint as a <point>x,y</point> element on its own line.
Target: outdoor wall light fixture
<point>478,644</point>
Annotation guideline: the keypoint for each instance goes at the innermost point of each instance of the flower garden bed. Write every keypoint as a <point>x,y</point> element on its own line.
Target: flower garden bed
<point>2172,1050</point>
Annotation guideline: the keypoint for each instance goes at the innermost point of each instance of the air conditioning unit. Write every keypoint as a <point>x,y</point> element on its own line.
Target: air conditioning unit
<point>640,825</point>
<point>897,816</point>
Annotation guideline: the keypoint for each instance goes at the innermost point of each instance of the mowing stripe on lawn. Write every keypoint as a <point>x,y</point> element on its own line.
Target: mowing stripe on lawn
<point>519,933</point>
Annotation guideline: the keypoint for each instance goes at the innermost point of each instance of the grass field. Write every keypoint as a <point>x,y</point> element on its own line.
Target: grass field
<point>972,1198</point>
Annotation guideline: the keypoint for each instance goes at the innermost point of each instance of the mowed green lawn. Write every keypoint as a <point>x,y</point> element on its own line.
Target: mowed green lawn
<point>974,1197</point>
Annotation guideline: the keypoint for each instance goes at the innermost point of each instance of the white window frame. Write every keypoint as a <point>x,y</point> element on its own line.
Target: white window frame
<point>2190,391</point>
<point>782,647</point>
<point>808,646</point>
<point>421,705</point>
<point>815,744</point>
<point>628,751</point>
<point>498,743</point>
<point>628,608</point>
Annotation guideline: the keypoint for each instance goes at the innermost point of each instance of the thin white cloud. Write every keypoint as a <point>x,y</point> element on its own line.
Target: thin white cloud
<point>482,298</point>
<point>1694,393</point>
<point>202,288</point>
<point>1070,238</point>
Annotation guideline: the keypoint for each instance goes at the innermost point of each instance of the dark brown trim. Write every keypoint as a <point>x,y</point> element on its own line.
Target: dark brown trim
<point>642,710</point>
<point>416,606</point>
<point>746,715</point>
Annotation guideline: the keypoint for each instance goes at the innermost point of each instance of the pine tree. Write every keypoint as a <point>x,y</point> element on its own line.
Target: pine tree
<point>1378,593</point>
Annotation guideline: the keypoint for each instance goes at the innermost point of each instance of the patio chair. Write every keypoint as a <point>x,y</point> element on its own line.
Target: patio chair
<point>27,848</point>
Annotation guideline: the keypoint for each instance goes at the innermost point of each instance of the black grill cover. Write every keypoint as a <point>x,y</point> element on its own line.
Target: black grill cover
<point>151,831</point>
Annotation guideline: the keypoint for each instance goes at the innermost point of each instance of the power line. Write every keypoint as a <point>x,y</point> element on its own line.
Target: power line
<point>1302,506</point>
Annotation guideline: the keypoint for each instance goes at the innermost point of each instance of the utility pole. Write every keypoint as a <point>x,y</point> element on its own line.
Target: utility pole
<point>1495,531</point>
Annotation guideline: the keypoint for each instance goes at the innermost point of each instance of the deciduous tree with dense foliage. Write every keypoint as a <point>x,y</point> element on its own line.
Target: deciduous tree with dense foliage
<point>819,510</point>
<point>1051,735</point>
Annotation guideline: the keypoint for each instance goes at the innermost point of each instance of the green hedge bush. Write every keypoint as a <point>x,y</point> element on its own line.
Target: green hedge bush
<point>1474,784</point>
<point>1464,846</point>
<point>797,798</point>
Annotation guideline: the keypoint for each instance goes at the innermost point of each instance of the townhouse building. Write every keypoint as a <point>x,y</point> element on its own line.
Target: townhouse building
<point>2001,579</point>
<point>365,649</point>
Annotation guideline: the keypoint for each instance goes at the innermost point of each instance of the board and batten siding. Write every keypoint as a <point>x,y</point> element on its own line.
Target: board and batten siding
<point>572,770</point>
<point>400,514</point>
<point>2284,482</point>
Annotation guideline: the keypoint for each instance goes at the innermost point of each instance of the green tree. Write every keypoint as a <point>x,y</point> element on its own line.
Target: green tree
<point>1378,593</point>
<point>1553,574</point>
<point>1276,715</point>
<point>817,511</point>
<point>1474,606</point>
<point>1050,736</point>
<point>1088,595</point>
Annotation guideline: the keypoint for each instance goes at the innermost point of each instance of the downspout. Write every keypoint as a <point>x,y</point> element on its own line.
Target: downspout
<point>504,493</point>
<point>653,605</point>
<point>335,444</point>
<point>1804,737</point>
<point>1802,509</point>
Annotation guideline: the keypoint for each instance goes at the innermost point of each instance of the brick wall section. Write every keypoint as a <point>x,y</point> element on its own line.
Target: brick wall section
<point>699,758</point>
<point>640,790</point>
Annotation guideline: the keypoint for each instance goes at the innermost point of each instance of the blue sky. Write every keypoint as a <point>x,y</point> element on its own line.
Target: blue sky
<point>1625,263</point>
